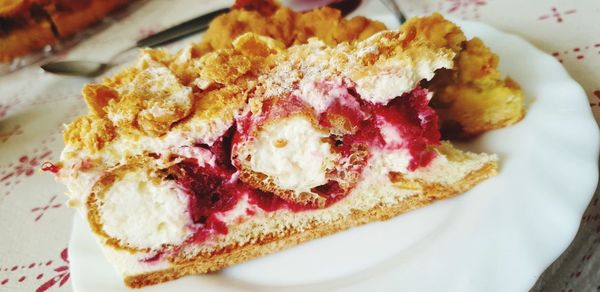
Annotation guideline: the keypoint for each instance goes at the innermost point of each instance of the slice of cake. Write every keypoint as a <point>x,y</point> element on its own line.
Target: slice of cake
<point>26,25</point>
<point>23,28</point>
<point>189,164</point>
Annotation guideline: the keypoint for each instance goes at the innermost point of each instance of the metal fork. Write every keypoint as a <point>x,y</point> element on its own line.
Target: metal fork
<point>92,69</point>
<point>393,6</point>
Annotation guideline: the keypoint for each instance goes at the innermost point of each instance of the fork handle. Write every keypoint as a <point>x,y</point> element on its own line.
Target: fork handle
<point>181,30</point>
<point>392,5</point>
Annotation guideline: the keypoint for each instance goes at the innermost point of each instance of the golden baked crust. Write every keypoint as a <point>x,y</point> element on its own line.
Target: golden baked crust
<point>470,99</point>
<point>30,25</point>
<point>20,42</point>
<point>231,71</point>
<point>70,17</point>
<point>269,244</point>
<point>11,7</point>
<point>474,97</point>
<point>150,98</point>
<point>89,132</point>
<point>287,26</point>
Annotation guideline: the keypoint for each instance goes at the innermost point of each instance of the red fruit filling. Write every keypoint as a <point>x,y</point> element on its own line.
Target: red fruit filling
<point>331,191</point>
<point>344,105</point>
<point>210,187</point>
<point>50,167</point>
<point>409,115</point>
<point>415,122</point>
<point>214,189</point>
<point>153,258</point>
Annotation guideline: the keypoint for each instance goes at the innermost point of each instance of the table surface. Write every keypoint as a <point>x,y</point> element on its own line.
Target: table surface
<point>35,225</point>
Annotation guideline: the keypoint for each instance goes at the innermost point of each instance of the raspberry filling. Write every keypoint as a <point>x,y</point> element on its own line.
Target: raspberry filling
<point>209,191</point>
<point>215,189</point>
<point>50,167</point>
<point>210,187</point>
<point>408,116</point>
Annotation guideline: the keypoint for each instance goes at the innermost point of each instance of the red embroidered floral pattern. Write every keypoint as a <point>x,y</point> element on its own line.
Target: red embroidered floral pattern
<point>466,7</point>
<point>27,273</point>
<point>557,15</point>
<point>42,210</point>
<point>578,53</point>
<point>145,32</point>
<point>26,165</point>
<point>4,108</point>
<point>61,276</point>
<point>596,94</point>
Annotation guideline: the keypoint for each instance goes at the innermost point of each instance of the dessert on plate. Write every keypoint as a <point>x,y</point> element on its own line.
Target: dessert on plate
<point>28,25</point>
<point>191,162</point>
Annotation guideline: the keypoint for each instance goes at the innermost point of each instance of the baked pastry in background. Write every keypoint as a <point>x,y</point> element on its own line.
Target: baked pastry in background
<point>187,163</point>
<point>28,25</point>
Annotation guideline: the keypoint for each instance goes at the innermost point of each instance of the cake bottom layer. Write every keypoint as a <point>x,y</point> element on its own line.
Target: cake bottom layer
<point>225,256</point>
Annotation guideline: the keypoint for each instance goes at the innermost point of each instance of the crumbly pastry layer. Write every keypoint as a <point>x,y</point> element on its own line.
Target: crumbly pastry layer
<point>265,17</point>
<point>472,98</point>
<point>27,26</point>
<point>191,162</point>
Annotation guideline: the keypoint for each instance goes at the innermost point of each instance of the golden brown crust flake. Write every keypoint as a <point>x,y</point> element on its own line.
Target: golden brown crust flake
<point>287,26</point>
<point>97,96</point>
<point>89,132</point>
<point>474,97</point>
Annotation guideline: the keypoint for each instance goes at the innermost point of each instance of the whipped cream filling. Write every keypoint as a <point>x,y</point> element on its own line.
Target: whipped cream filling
<point>320,95</point>
<point>293,152</point>
<point>397,77</point>
<point>203,131</point>
<point>79,183</point>
<point>145,214</point>
<point>203,156</point>
<point>390,134</point>
<point>385,161</point>
<point>177,141</point>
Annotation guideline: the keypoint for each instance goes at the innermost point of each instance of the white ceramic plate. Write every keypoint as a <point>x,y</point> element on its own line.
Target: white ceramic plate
<point>500,236</point>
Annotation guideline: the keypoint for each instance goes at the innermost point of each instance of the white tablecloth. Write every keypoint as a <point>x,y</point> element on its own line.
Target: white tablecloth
<point>35,225</point>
